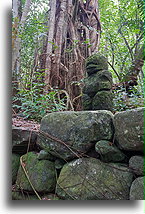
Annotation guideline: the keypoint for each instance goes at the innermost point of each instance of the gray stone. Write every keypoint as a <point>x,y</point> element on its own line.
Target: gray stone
<point>15,166</point>
<point>102,80</point>
<point>59,163</point>
<point>18,195</point>
<point>91,179</point>
<point>86,102</point>
<point>96,63</point>
<point>41,173</point>
<point>129,129</point>
<point>77,132</point>
<point>43,155</point>
<point>136,164</point>
<point>137,189</point>
<point>103,100</point>
<point>108,151</point>
<point>23,139</point>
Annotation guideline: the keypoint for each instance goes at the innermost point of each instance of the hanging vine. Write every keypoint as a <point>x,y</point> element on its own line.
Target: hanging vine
<point>74,34</point>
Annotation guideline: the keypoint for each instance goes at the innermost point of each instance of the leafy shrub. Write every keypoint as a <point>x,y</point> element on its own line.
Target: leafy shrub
<point>33,104</point>
<point>123,100</point>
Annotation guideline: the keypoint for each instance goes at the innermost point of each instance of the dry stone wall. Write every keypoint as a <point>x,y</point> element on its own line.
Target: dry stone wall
<point>88,155</point>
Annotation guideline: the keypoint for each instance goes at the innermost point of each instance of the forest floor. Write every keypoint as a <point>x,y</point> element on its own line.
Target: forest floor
<point>25,124</point>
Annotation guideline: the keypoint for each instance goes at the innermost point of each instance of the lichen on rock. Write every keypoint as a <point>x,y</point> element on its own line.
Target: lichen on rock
<point>77,132</point>
<point>91,179</point>
<point>41,173</point>
<point>96,63</point>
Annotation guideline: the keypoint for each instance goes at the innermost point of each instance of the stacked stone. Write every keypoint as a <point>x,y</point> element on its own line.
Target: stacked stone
<point>84,155</point>
<point>97,91</point>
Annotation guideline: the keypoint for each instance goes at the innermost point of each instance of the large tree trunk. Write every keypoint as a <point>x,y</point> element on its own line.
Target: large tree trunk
<point>74,34</point>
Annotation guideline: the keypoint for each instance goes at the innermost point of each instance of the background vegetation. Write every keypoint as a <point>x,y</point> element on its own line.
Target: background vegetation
<point>118,35</point>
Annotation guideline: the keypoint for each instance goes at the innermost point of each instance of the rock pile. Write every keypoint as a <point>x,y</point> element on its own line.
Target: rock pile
<point>88,155</point>
<point>97,91</point>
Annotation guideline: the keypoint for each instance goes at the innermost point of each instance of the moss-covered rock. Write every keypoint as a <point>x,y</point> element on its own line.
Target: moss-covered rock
<point>86,102</point>
<point>91,179</point>
<point>40,172</point>
<point>59,163</point>
<point>43,155</point>
<point>108,151</point>
<point>136,164</point>
<point>96,82</point>
<point>96,63</point>
<point>103,100</point>
<point>22,139</point>
<point>19,195</point>
<point>15,166</point>
<point>137,189</point>
<point>129,129</point>
<point>77,132</point>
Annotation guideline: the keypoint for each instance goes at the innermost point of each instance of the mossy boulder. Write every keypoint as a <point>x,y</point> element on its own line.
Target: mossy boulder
<point>137,189</point>
<point>67,135</point>
<point>96,63</point>
<point>43,155</point>
<point>129,129</point>
<point>86,102</point>
<point>108,151</point>
<point>40,172</point>
<point>91,179</point>
<point>103,100</point>
<point>97,82</point>
<point>22,139</point>
<point>59,163</point>
<point>18,195</point>
<point>15,166</point>
<point>136,164</point>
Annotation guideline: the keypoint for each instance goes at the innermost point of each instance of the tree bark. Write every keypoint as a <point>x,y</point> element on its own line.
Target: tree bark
<point>18,29</point>
<point>73,35</point>
<point>50,41</point>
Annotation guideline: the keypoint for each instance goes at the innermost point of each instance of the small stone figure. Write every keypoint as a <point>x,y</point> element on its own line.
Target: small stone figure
<point>97,91</point>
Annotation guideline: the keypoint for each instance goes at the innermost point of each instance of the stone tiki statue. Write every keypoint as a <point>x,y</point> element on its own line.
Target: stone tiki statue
<point>97,90</point>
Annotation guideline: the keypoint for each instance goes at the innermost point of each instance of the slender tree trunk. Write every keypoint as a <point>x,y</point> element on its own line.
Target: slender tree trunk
<point>50,41</point>
<point>136,65</point>
<point>58,42</point>
<point>16,40</point>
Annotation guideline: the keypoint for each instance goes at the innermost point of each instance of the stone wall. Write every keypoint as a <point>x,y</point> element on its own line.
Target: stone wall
<point>88,155</point>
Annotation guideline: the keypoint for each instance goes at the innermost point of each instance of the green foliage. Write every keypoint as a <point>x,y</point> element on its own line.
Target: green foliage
<point>122,102</point>
<point>122,33</point>
<point>33,104</point>
<point>121,37</point>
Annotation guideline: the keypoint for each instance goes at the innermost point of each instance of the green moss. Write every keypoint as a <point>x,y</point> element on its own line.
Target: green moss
<point>96,82</point>
<point>41,173</point>
<point>91,179</point>
<point>108,153</point>
<point>76,129</point>
<point>103,100</point>
<point>86,102</point>
<point>15,166</point>
<point>18,195</point>
<point>96,63</point>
